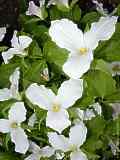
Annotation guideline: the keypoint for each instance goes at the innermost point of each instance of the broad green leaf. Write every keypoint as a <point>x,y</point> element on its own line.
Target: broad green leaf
<point>99,84</point>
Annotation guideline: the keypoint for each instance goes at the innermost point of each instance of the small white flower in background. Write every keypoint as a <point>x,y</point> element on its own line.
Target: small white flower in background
<point>99,8</point>
<point>56,105</point>
<point>114,147</point>
<point>12,125</point>
<point>19,44</point>
<point>45,74</point>
<point>61,2</point>
<point>114,68</point>
<point>80,46</point>
<point>38,152</point>
<point>13,91</point>
<point>88,114</point>
<point>32,120</point>
<point>116,110</point>
<point>35,10</point>
<point>77,137</point>
<point>2,33</point>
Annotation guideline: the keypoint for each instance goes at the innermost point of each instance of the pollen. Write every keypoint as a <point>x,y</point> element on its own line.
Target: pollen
<point>83,51</point>
<point>56,108</point>
<point>14,125</point>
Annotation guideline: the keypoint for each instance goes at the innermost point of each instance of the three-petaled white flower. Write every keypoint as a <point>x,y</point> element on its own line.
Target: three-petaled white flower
<point>59,2</point>
<point>17,115</point>
<point>36,10</point>
<point>2,33</point>
<point>77,137</point>
<point>57,115</point>
<point>88,114</point>
<point>38,152</point>
<point>19,44</point>
<point>12,92</point>
<point>80,46</point>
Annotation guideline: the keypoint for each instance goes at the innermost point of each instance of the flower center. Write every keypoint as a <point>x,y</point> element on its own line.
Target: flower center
<point>83,51</point>
<point>73,147</point>
<point>56,108</point>
<point>14,125</point>
<point>116,67</point>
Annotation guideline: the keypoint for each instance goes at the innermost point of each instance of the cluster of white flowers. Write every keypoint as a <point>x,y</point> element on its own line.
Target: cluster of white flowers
<point>81,48</point>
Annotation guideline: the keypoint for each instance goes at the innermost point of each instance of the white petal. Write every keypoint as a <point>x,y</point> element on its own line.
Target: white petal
<point>66,34</point>
<point>17,113</point>
<point>32,120</point>
<point>58,120</point>
<point>78,134</point>
<point>5,94</point>
<point>2,33</point>
<point>14,79</point>
<point>9,54</point>
<point>24,41</point>
<point>34,10</point>
<point>15,40</point>
<point>33,147</point>
<point>78,155</point>
<point>97,108</point>
<point>40,95</point>
<point>4,126</point>
<point>33,157</point>
<point>64,2</point>
<point>101,30</point>
<point>59,142</point>
<point>69,92</point>
<point>19,138</point>
<point>47,151</point>
<point>89,114</point>
<point>80,113</point>
<point>77,65</point>
<point>20,42</point>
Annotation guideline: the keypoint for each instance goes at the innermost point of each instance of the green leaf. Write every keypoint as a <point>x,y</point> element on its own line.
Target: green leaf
<point>109,50</point>
<point>55,54</point>
<point>96,126</point>
<point>6,70</point>
<point>8,156</point>
<point>100,84</point>
<point>90,18</point>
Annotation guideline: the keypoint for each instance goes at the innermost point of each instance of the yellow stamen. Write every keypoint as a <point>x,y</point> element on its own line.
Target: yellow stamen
<point>73,147</point>
<point>14,125</point>
<point>83,51</point>
<point>56,108</point>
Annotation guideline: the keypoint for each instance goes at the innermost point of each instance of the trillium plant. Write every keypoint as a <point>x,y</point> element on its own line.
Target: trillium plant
<point>60,82</point>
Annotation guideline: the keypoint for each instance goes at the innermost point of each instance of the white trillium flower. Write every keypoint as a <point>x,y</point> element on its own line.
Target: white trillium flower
<point>99,8</point>
<point>2,33</point>
<point>35,10</point>
<point>38,152</point>
<point>67,35</point>
<point>19,44</point>
<point>88,114</point>
<point>55,2</point>
<point>17,115</point>
<point>114,68</point>
<point>13,91</point>
<point>56,105</point>
<point>77,137</point>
